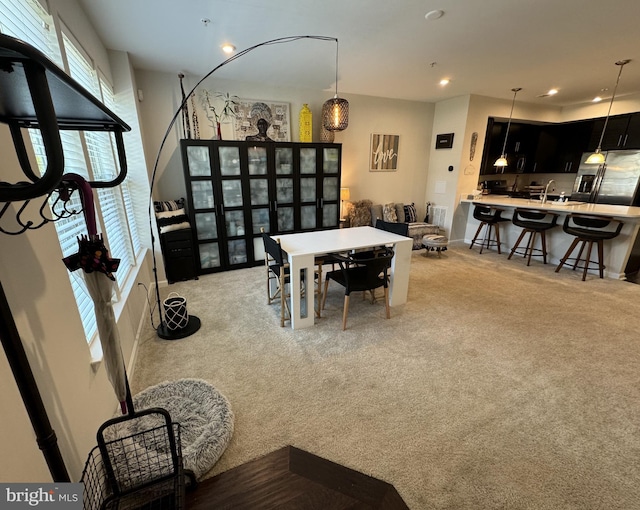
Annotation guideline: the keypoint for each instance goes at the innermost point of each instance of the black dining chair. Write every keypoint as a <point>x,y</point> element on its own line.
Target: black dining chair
<point>401,229</point>
<point>278,272</point>
<point>360,275</point>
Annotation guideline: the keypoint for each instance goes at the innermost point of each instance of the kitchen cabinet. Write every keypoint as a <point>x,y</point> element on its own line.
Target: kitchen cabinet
<point>537,148</point>
<point>623,132</point>
<point>560,146</point>
<point>237,188</point>
<point>519,150</point>
<point>493,143</point>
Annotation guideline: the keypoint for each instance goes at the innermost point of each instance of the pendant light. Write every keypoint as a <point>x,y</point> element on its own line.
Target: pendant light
<point>502,160</point>
<point>335,112</point>
<point>597,158</point>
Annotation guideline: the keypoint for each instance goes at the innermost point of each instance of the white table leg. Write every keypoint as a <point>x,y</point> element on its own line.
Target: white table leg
<point>297,263</point>
<point>399,279</point>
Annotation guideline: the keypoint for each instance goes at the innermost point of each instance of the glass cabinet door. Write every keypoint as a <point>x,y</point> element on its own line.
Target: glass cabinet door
<point>207,236</point>
<point>237,189</point>
<point>198,161</point>
<point>284,189</point>
<point>330,186</point>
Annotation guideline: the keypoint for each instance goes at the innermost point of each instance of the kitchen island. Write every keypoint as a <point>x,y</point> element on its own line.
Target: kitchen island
<point>621,255</point>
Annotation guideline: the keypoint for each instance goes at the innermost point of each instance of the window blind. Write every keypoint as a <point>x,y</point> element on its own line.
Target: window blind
<point>108,98</point>
<point>27,20</point>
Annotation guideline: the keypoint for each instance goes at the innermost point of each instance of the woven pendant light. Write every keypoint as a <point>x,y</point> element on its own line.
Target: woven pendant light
<point>335,111</point>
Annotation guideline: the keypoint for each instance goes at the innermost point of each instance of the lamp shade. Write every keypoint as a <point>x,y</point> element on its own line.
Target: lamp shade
<point>501,161</point>
<point>335,114</point>
<point>597,158</point>
<point>345,194</point>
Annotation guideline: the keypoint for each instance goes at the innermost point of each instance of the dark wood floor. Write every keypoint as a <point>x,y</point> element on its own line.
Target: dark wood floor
<point>291,478</point>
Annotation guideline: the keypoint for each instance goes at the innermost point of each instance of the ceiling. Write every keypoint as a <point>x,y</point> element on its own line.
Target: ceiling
<point>389,49</point>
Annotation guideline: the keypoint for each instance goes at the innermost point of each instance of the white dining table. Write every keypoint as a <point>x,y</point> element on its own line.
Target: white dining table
<point>302,249</point>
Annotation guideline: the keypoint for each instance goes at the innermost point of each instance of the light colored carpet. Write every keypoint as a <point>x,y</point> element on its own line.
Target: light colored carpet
<point>496,386</point>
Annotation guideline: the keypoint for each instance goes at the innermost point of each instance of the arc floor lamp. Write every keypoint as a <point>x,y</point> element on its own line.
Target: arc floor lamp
<point>335,118</point>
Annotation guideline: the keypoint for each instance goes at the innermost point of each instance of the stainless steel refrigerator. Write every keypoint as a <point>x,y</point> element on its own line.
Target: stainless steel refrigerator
<point>617,181</point>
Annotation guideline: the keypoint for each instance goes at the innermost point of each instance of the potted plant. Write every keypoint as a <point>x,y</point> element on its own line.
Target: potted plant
<point>225,103</point>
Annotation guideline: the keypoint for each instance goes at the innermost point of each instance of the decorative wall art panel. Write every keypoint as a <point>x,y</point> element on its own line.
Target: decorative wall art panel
<point>384,153</point>
<point>262,120</point>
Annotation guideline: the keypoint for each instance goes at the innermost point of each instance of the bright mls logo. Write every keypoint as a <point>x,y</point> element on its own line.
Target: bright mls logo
<point>50,496</point>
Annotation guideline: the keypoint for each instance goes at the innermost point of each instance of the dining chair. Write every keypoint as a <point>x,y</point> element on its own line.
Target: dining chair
<point>360,275</point>
<point>388,226</point>
<point>278,272</point>
<point>401,229</point>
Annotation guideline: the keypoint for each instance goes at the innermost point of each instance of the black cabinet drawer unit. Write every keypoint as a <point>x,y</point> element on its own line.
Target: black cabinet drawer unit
<point>178,255</point>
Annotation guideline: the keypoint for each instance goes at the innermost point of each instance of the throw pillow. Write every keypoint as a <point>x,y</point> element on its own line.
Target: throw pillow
<point>360,213</point>
<point>400,213</point>
<point>410,213</point>
<point>168,205</point>
<point>169,221</point>
<point>389,213</point>
<point>376,214</point>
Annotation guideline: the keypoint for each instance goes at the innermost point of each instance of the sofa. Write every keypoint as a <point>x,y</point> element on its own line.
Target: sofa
<point>365,212</point>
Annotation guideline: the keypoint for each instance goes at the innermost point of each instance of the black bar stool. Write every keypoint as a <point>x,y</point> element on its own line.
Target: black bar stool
<point>588,230</point>
<point>533,222</point>
<point>489,217</point>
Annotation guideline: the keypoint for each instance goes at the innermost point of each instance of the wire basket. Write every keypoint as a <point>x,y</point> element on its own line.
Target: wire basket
<point>136,465</point>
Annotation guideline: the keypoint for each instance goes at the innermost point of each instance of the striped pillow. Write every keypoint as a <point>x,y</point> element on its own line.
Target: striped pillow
<point>168,205</point>
<point>410,213</point>
<point>169,221</point>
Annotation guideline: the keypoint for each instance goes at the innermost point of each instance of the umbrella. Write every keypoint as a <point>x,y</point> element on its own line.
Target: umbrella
<point>98,267</point>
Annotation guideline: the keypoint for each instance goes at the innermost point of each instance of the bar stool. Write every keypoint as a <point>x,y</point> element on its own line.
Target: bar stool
<point>533,222</point>
<point>587,230</point>
<point>489,217</point>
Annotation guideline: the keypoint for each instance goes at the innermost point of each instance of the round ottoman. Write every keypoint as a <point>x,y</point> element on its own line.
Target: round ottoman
<point>204,415</point>
<point>435,242</point>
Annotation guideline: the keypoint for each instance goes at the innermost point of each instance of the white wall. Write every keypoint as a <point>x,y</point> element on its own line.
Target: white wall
<point>411,120</point>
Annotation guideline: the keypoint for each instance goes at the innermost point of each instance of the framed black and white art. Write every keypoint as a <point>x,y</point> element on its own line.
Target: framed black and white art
<point>262,120</point>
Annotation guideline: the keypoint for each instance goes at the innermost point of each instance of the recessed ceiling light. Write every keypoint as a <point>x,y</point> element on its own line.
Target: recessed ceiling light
<point>444,81</point>
<point>552,92</point>
<point>596,99</point>
<point>431,15</point>
<point>228,48</point>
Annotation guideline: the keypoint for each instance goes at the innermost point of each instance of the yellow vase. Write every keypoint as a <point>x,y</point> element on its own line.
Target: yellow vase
<point>306,125</point>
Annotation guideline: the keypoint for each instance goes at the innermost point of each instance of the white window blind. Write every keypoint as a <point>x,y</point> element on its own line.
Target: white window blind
<point>26,20</point>
<point>90,154</point>
<point>108,98</point>
<point>103,165</point>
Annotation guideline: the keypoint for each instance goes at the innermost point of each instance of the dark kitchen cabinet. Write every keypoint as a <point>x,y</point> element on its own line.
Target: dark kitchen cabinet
<point>570,141</point>
<point>493,143</point>
<point>622,132</point>
<point>178,256</point>
<point>519,150</point>
<point>538,148</point>
<point>237,188</point>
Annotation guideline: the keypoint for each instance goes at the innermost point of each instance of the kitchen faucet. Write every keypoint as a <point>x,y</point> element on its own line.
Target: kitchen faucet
<point>546,190</point>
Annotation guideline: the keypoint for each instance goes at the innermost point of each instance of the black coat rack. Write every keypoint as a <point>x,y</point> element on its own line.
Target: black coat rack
<point>36,93</point>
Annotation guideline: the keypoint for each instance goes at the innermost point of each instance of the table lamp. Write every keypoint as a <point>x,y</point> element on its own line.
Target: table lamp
<point>345,194</point>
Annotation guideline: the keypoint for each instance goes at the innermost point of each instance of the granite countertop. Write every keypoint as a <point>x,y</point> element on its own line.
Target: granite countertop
<point>618,211</point>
